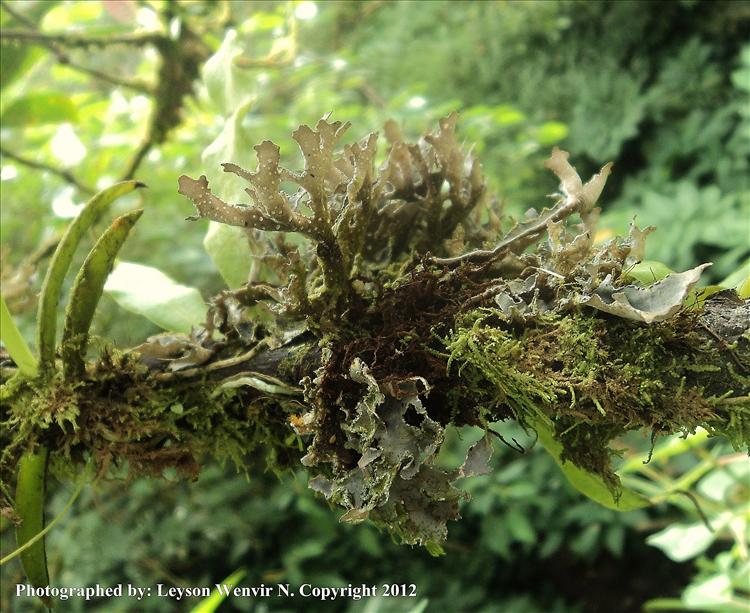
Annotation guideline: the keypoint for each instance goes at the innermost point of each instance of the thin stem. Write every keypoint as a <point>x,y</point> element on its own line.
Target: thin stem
<point>77,40</point>
<point>137,158</point>
<point>522,235</point>
<point>18,16</point>
<point>134,84</point>
<point>55,46</point>
<point>39,535</point>
<point>66,175</point>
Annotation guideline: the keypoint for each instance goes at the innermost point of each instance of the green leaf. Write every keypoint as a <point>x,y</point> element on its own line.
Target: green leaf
<point>588,483</point>
<point>434,549</point>
<point>53,280</point>
<point>228,86</point>
<point>668,448</point>
<point>211,604</point>
<point>584,543</point>
<point>663,604</point>
<point>72,15</point>
<point>698,295</point>
<point>149,292</point>
<point>551,132</point>
<point>519,525</point>
<point>506,115</point>
<point>87,290</point>
<point>39,108</point>
<point>681,542</point>
<point>720,483</point>
<point>743,289</point>
<point>14,343</point>
<point>648,272</point>
<point>16,60</point>
<point>614,539</point>
<point>264,21</point>
<point>420,607</point>
<point>29,505</point>
<point>227,246</point>
<point>738,277</point>
<point>711,592</point>
<point>739,280</point>
<point>234,145</point>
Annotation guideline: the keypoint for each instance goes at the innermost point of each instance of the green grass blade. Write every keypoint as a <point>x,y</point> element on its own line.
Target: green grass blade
<point>63,256</point>
<point>210,604</point>
<point>14,343</point>
<point>87,289</point>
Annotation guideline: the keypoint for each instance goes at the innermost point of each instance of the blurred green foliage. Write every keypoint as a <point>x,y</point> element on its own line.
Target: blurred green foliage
<point>661,89</point>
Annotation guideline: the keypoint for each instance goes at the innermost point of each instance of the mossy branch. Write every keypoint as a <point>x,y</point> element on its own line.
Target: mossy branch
<point>601,378</point>
<point>374,351</point>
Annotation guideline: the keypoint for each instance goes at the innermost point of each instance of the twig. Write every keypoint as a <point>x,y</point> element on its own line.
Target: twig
<point>214,366</point>
<point>18,16</point>
<point>138,156</point>
<point>153,565</point>
<point>694,499</point>
<point>66,175</point>
<point>725,345</point>
<point>519,236</point>
<point>372,96</point>
<point>134,84</point>
<point>73,40</point>
<point>576,197</point>
<point>51,43</point>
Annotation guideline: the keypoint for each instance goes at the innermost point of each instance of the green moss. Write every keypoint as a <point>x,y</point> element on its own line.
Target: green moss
<point>594,378</point>
<point>291,368</point>
<point>119,415</point>
<point>493,353</point>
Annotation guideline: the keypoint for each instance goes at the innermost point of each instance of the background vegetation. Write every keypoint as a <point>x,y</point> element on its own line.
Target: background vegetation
<point>659,88</point>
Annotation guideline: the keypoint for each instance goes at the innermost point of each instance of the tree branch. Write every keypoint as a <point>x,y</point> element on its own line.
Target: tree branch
<point>79,40</point>
<point>54,44</point>
<point>119,388</point>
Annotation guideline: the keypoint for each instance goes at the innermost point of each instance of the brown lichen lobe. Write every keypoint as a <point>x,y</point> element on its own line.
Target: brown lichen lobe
<point>359,219</point>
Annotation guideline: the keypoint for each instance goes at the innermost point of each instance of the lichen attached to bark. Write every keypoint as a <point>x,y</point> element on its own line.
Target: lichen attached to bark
<point>407,311</point>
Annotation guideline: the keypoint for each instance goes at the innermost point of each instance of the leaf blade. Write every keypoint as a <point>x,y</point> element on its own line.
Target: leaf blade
<point>63,256</point>
<point>150,293</point>
<point>211,604</point>
<point>588,483</point>
<point>15,344</point>
<point>87,289</point>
